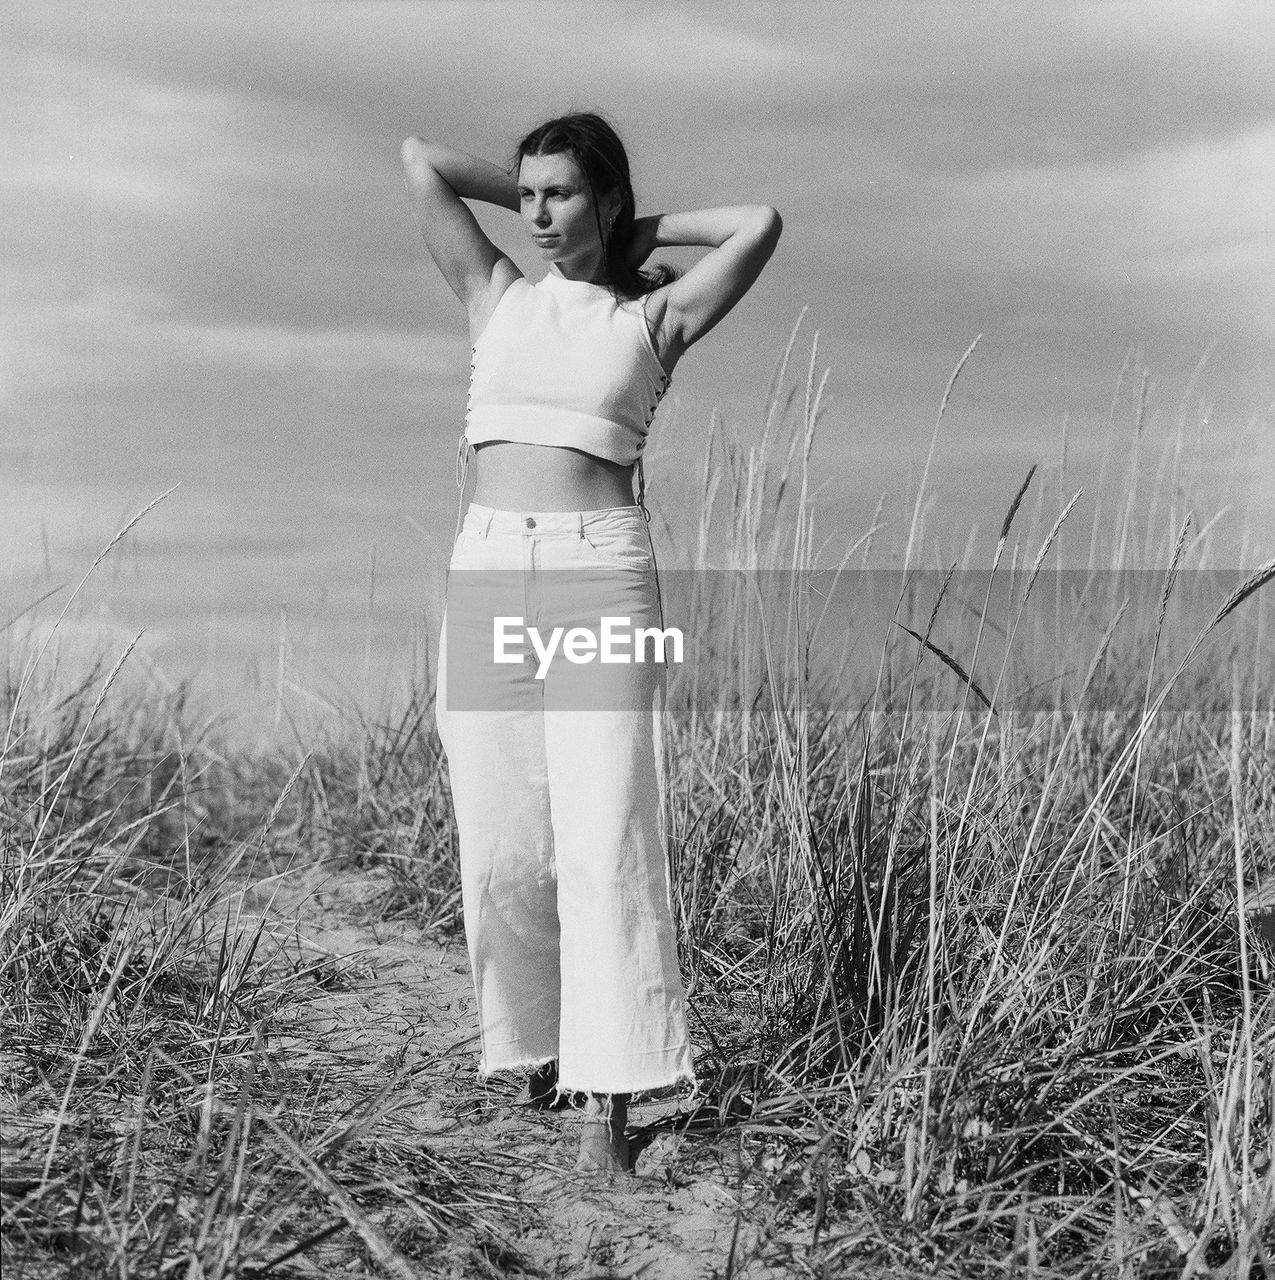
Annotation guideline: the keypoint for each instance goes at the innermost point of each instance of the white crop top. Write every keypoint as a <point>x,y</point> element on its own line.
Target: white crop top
<point>562,363</point>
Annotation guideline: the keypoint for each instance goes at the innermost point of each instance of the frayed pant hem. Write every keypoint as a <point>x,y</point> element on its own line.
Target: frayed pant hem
<point>632,1085</point>
<point>521,1064</point>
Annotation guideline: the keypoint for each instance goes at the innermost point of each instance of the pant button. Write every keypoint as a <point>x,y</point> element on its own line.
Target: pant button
<point>531,524</point>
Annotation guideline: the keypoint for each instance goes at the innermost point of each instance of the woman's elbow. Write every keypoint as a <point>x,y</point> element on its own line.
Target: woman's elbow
<point>414,153</point>
<point>768,225</point>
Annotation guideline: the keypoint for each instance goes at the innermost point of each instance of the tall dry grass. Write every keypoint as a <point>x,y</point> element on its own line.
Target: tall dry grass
<point>974,955</point>
<point>159,1115</point>
<point>962,882</point>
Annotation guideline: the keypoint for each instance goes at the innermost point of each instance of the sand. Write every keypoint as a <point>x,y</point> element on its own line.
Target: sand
<point>396,1009</point>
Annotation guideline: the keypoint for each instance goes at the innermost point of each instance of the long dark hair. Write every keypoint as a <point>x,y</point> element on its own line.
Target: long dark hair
<point>596,148</point>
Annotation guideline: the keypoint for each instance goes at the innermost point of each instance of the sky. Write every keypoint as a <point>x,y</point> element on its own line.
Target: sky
<point>211,279</point>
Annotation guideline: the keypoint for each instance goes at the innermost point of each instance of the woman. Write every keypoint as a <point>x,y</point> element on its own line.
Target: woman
<point>556,784</point>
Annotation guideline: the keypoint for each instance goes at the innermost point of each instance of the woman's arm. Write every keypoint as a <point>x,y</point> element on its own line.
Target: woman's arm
<point>742,238</point>
<point>439,179</point>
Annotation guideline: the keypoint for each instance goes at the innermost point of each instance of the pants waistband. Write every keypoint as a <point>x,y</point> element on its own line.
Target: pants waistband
<point>491,519</point>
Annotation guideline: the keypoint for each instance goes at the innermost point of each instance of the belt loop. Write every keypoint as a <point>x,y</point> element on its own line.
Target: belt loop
<point>486,529</point>
<point>580,524</point>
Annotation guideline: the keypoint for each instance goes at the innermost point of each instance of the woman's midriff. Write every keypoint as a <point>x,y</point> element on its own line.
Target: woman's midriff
<point>531,477</point>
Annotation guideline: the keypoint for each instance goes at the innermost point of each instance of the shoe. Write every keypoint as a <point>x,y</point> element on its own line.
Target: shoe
<point>539,1093</point>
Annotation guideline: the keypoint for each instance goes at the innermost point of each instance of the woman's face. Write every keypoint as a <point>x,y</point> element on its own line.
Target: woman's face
<point>557,207</point>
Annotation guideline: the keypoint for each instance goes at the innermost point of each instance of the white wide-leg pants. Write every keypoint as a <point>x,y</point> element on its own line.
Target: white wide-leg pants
<point>556,777</point>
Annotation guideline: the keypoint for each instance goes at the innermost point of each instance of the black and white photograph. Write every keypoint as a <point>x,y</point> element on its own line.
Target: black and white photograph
<point>636,639</point>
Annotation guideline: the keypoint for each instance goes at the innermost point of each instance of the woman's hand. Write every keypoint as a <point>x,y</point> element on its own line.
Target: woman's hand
<point>642,244</point>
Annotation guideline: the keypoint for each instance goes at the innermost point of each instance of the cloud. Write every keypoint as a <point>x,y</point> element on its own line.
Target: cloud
<point>90,133</point>
<point>213,273</point>
<point>121,338</point>
<point>926,82</point>
<point>1193,218</point>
